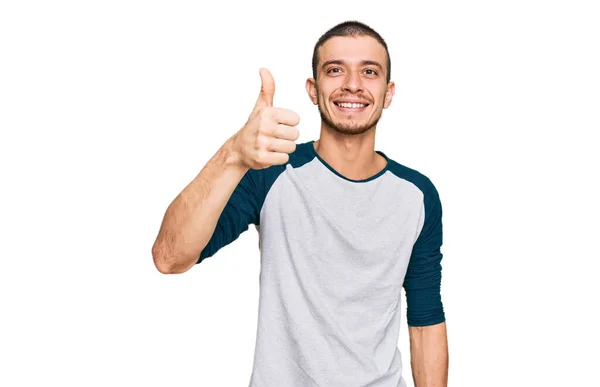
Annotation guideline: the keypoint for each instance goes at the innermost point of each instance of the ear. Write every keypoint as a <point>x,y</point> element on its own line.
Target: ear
<point>389,94</point>
<point>311,89</point>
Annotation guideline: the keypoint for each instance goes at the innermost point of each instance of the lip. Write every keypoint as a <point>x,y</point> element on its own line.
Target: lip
<point>350,101</point>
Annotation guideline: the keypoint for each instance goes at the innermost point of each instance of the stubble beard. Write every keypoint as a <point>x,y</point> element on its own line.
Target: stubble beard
<point>349,127</point>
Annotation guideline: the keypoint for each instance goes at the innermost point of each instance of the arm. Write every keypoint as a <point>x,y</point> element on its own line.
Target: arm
<point>429,355</point>
<point>191,218</point>
<point>227,193</point>
<point>425,311</point>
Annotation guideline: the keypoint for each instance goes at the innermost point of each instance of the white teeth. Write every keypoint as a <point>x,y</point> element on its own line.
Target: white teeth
<point>351,105</point>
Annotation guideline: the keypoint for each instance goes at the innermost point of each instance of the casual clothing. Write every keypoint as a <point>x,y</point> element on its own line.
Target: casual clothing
<point>335,254</point>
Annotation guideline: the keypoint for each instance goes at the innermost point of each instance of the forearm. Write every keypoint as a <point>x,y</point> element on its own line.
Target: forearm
<point>429,355</point>
<point>191,218</point>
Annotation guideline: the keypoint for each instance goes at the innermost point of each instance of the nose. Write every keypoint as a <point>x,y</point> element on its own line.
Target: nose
<point>352,82</point>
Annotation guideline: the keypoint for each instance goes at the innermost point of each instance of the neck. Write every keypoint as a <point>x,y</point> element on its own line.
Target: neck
<point>353,156</point>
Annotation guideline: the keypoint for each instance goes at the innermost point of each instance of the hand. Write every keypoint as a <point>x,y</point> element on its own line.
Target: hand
<point>268,136</point>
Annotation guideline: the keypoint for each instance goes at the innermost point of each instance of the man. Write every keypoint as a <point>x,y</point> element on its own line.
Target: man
<point>342,228</point>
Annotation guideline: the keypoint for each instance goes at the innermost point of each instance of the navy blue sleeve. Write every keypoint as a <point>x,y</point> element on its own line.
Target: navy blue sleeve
<point>424,274</point>
<point>242,209</point>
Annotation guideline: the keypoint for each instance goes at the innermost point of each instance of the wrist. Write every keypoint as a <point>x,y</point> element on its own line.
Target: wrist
<point>232,155</point>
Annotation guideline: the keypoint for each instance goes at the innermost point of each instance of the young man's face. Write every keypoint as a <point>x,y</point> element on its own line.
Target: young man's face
<point>351,89</point>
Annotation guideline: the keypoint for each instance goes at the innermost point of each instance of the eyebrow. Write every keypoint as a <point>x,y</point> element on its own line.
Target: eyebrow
<point>363,63</point>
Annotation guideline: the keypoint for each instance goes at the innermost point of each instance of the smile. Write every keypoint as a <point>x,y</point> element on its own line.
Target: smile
<point>350,106</point>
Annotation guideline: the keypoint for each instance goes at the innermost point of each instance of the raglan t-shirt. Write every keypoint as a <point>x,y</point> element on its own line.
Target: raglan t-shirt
<point>335,254</point>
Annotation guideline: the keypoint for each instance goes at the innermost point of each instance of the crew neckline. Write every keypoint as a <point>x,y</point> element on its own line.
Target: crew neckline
<point>375,176</point>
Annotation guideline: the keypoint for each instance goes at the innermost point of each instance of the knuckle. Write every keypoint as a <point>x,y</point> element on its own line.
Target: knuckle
<point>262,142</point>
<point>263,158</point>
<point>260,157</point>
<point>266,111</point>
<point>262,126</point>
<point>265,122</point>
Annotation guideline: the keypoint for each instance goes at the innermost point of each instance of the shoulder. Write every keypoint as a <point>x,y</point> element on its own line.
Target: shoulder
<point>304,153</point>
<point>419,179</point>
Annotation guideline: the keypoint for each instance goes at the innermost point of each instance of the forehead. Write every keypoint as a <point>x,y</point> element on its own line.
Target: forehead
<point>352,49</point>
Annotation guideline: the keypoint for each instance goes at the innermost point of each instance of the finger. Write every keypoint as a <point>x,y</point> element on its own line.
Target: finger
<point>282,146</point>
<point>275,158</point>
<point>286,132</point>
<point>267,89</point>
<point>286,116</point>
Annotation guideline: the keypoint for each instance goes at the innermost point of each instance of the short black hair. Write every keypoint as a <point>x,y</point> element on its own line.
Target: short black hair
<point>350,28</point>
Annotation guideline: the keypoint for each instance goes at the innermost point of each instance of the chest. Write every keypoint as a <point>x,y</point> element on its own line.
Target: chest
<point>356,232</point>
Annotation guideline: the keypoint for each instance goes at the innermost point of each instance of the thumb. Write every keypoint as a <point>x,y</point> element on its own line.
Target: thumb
<point>267,89</point>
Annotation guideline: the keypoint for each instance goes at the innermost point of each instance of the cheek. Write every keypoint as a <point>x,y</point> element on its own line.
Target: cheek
<point>382,97</point>
<point>326,89</point>
<point>323,97</point>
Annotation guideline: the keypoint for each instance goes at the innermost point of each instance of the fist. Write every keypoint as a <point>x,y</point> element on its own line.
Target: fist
<point>268,136</point>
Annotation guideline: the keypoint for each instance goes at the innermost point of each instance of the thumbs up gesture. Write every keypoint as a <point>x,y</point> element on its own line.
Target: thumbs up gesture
<point>268,136</point>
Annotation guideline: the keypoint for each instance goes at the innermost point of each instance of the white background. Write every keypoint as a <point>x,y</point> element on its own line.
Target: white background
<point>108,109</point>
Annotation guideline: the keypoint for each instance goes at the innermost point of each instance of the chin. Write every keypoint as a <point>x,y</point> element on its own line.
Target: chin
<point>351,129</point>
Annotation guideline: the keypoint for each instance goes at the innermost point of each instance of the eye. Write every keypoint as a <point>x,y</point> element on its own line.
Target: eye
<point>370,72</point>
<point>332,70</point>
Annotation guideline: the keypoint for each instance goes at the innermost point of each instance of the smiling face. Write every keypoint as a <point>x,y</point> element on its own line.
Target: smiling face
<point>351,90</point>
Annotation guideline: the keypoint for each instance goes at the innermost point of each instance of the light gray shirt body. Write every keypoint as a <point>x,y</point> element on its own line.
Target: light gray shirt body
<point>334,257</point>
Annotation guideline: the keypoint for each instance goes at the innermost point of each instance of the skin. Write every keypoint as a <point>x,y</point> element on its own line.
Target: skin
<point>267,138</point>
<point>353,68</point>
<point>429,355</point>
<point>347,139</point>
<point>346,142</point>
